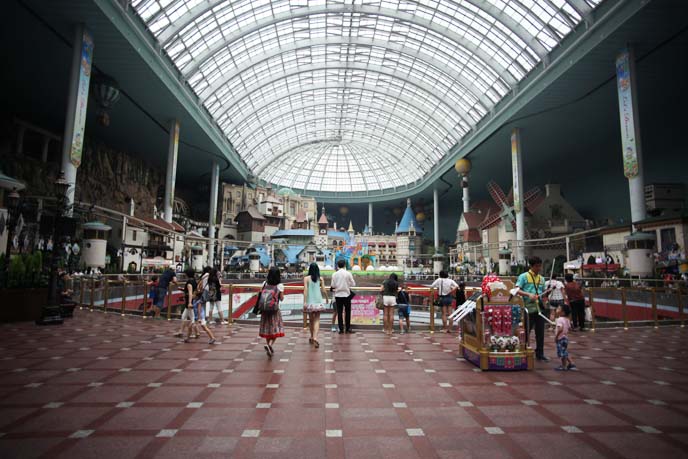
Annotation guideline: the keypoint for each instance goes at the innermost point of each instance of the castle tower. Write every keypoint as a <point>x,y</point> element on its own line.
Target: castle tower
<point>321,236</point>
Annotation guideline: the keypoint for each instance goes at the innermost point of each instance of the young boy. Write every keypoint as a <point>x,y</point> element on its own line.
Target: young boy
<point>404,306</point>
<point>563,324</point>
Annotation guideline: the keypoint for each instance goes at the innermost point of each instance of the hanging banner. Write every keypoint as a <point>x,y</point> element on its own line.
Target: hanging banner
<point>175,150</point>
<point>515,158</point>
<point>81,98</point>
<point>626,114</point>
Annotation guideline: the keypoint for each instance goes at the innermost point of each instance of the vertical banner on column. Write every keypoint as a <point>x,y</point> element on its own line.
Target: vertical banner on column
<point>81,98</point>
<point>515,166</point>
<point>624,86</point>
<point>174,140</point>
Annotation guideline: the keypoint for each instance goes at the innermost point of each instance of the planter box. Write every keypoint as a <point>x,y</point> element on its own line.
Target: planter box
<point>22,304</point>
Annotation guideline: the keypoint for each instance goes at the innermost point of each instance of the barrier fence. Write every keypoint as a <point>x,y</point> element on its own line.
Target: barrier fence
<point>609,306</point>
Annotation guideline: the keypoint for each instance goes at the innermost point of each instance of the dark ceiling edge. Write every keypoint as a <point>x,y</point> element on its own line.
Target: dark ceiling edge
<point>138,39</point>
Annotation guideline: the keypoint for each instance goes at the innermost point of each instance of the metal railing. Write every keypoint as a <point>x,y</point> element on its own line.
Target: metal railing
<point>609,306</point>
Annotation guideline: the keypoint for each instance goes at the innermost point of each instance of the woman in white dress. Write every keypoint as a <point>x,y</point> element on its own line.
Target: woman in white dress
<point>314,301</point>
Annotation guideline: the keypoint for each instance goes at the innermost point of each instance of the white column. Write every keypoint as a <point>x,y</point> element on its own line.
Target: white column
<point>214,185</point>
<point>21,130</point>
<point>436,218</point>
<point>44,149</point>
<point>517,175</point>
<point>630,132</point>
<point>370,217</point>
<point>77,101</point>
<point>171,176</point>
<point>466,196</point>
<point>568,248</point>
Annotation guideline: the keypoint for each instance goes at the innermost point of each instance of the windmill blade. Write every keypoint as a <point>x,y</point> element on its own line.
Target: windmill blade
<point>532,193</point>
<point>497,194</point>
<point>489,221</point>
<point>533,198</point>
<point>510,196</point>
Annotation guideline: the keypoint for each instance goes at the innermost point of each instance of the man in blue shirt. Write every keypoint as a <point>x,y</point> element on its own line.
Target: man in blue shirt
<point>163,285</point>
<point>532,285</point>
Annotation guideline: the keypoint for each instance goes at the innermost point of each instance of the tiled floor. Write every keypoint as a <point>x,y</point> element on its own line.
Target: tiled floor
<point>106,386</point>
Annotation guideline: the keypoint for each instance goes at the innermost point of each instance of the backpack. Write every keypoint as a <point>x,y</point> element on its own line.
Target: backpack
<point>212,291</point>
<point>269,299</point>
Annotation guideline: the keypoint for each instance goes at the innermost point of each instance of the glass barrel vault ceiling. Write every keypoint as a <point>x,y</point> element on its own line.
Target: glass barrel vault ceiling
<point>353,95</point>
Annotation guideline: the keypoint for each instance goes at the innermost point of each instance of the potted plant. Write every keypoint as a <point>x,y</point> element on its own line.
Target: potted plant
<point>23,287</point>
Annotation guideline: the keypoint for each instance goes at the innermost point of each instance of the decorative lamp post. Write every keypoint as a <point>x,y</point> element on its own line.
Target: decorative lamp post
<point>51,311</point>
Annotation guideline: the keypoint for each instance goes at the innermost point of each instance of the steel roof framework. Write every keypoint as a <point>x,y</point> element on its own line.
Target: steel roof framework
<point>358,89</point>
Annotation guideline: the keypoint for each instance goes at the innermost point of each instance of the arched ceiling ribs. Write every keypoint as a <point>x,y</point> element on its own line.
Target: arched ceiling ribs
<point>288,95</point>
<point>438,65</point>
<point>419,124</point>
<point>414,162</point>
<point>362,9</point>
<point>404,131</point>
<point>579,5</point>
<point>423,124</point>
<point>358,150</point>
<point>326,149</point>
<point>518,30</point>
<point>420,84</point>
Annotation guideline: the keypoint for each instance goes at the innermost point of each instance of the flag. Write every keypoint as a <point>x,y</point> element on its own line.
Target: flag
<point>20,224</point>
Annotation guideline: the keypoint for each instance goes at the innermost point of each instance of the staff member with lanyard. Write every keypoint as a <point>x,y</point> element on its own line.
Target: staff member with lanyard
<point>532,285</point>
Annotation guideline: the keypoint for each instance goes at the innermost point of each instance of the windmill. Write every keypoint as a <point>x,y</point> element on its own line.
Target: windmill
<point>531,200</point>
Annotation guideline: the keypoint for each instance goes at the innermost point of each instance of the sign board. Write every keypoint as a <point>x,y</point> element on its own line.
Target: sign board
<point>363,310</point>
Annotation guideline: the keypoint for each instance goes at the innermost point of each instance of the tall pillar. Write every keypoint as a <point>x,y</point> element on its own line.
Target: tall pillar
<point>171,176</point>
<point>466,196</point>
<point>436,218</point>
<point>21,131</point>
<point>517,175</point>
<point>77,101</point>
<point>44,149</point>
<point>370,217</point>
<point>630,132</point>
<point>214,185</point>
<point>463,168</point>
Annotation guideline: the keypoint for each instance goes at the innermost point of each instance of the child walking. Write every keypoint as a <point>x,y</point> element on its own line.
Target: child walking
<point>563,325</point>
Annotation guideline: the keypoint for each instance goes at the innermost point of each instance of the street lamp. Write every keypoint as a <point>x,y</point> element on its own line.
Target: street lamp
<point>51,311</point>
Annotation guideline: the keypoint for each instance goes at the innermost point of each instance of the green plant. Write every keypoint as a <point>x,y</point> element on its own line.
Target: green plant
<point>17,272</point>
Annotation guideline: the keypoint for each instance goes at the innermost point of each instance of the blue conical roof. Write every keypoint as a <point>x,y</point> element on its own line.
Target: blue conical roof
<point>407,220</point>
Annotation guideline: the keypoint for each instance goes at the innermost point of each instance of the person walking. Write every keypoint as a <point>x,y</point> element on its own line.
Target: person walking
<point>342,281</point>
<point>168,277</point>
<point>556,295</point>
<point>188,320</point>
<point>314,301</point>
<point>576,297</point>
<point>271,324</point>
<point>214,289</point>
<point>445,294</point>
<point>532,285</point>
<point>389,289</point>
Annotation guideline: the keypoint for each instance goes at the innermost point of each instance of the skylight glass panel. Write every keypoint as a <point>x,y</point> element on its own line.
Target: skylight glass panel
<point>335,95</point>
